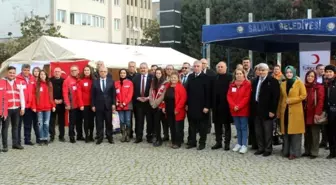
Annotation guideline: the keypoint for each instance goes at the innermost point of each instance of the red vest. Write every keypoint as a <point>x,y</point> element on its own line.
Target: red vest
<point>13,94</point>
<point>3,99</point>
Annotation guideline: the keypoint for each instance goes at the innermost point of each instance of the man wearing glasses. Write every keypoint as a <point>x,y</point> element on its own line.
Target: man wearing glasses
<point>185,73</point>
<point>72,104</point>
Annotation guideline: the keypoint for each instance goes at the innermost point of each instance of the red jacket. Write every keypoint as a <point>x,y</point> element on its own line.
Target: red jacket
<point>3,99</point>
<point>124,94</point>
<point>84,92</point>
<point>70,95</point>
<point>45,102</point>
<point>180,101</point>
<point>239,96</point>
<point>311,109</point>
<point>27,88</point>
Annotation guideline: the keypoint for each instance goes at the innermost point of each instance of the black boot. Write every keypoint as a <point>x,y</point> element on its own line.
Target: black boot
<point>216,146</point>
<point>123,133</point>
<point>332,154</point>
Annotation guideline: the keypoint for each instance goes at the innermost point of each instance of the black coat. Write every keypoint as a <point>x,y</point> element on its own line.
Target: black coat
<point>57,88</point>
<point>137,86</point>
<point>220,108</point>
<point>250,74</point>
<point>268,97</point>
<point>97,76</point>
<point>198,96</point>
<point>211,74</point>
<point>103,100</point>
<point>330,99</point>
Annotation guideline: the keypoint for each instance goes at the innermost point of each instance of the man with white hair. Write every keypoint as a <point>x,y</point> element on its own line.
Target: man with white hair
<point>264,100</point>
<point>98,66</point>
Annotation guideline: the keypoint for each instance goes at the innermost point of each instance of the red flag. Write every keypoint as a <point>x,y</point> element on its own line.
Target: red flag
<point>65,67</point>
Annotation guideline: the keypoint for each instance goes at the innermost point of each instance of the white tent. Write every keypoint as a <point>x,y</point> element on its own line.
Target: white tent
<point>114,55</point>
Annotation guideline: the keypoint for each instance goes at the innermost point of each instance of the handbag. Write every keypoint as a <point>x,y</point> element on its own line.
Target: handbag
<point>115,121</point>
<point>324,117</point>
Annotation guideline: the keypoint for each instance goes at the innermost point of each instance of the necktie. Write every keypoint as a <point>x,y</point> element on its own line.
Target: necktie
<point>104,85</point>
<point>184,79</point>
<point>258,88</point>
<point>143,86</point>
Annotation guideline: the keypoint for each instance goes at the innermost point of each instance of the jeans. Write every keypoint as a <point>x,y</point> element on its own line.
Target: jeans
<point>241,126</point>
<point>43,121</point>
<point>125,118</point>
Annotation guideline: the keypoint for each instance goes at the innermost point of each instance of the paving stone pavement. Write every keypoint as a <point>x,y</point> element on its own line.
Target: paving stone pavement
<point>142,164</point>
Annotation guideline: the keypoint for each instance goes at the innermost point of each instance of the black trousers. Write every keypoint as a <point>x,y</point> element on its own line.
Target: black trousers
<point>157,116</point>
<point>143,110</point>
<point>331,131</point>
<point>88,116</point>
<point>176,130</point>
<point>219,123</point>
<point>13,118</point>
<point>252,139</point>
<point>29,120</point>
<point>264,133</point>
<point>324,139</point>
<point>201,126</point>
<point>165,127</point>
<point>59,114</point>
<point>74,118</point>
<point>101,117</point>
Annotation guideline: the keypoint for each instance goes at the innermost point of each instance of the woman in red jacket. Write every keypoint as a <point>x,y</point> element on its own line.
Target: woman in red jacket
<point>239,98</point>
<point>36,72</point>
<point>42,104</point>
<point>313,108</point>
<point>174,107</point>
<point>84,99</point>
<point>124,94</point>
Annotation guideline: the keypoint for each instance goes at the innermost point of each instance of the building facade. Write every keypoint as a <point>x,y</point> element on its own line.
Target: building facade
<point>113,21</point>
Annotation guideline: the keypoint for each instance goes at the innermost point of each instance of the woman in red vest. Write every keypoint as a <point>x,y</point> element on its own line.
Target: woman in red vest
<point>3,100</point>
<point>43,104</point>
<point>36,72</point>
<point>174,107</point>
<point>124,94</point>
<point>84,98</point>
<point>239,99</point>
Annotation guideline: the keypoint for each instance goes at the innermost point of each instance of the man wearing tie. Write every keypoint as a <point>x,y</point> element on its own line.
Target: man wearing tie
<point>185,73</point>
<point>103,104</point>
<point>142,107</point>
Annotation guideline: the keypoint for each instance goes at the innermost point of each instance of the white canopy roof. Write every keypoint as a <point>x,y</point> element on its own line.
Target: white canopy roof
<point>114,55</point>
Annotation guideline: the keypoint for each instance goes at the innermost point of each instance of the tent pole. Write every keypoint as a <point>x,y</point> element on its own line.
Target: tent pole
<point>250,19</point>
<point>207,22</point>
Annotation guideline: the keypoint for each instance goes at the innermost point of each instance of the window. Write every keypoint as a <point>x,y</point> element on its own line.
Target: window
<point>149,4</point>
<point>131,2</point>
<point>141,3</point>
<point>72,18</point>
<point>89,20</point>
<point>102,22</point>
<point>135,2</point>
<point>127,41</point>
<point>78,19</point>
<point>84,19</point>
<point>127,2</point>
<point>145,3</point>
<point>145,21</point>
<point>132,21</point>
<point>131,41</point>
<point>136,42</point>
<point>116,2</point>
<point>127,21</point>
<point>116,24</point>
<point>141,22</point>
<point>136,22</point>
<point>61,16</point>
<point>101,1</point>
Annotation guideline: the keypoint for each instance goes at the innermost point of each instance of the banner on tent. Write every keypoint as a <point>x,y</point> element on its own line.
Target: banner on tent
<point>39,64</point>
<point>312,54</point>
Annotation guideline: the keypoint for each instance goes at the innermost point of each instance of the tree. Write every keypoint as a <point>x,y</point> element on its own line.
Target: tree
<point>151,34</point>
<point>32,28</point>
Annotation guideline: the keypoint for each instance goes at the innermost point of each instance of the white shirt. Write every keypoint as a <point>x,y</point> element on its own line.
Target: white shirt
<point>101,83</point>
<point>261,80</point>
<point>319,79</point>
<point>22,99</point>
<point>145,80</point>
<point>184,78</point>
<point>204,71</point>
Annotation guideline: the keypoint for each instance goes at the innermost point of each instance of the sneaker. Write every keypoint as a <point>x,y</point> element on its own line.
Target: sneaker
<point>243,149</point>
<point>236,148</point>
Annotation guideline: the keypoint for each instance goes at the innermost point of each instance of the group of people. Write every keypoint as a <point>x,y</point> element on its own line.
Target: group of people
<point>255,100</point>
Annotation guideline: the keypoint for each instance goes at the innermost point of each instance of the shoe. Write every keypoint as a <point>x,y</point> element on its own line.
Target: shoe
<point>128,134</point>
<point>18,147</point>
<point>91,139</point>
<point>243,149</point>
<point>292,157</point>
<point>149,140</point>
<point>87,140</point>
<point>61,139</point>
<point>72,140</point>
<point>236,148</point>
<point>259,152</point>
<point>123,134</point>
<point>29,143</point>
<point>313,157</point>
<point>175,147</point>
<point>52,139</point>
<point>110,140</point>
<point>138,141</point>
<point>5,150</point>
<point>323,145</point>
<point>99,141</point>
<point>254,147</point>
<point>201,147</point>
<point>96,137</point>
<point>190,146</point>
<point>305,155</point>
<point>80,138</point>
<point>157,144</point>
<point>46,142</point>
<point>266,154</point>
<point>165,139</point>
<point>216,146</point>
<point>227,147</point>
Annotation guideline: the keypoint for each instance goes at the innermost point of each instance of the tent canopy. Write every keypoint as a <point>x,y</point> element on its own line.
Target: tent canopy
<point>114,55</point>
<point>272,36</point>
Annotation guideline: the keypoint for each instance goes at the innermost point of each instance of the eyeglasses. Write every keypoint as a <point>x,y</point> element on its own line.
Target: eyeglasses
<point>204,63</point>
<point>184,68</point>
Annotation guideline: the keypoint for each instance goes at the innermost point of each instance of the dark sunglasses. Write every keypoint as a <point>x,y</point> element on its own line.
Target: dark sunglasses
<point>184,68</point>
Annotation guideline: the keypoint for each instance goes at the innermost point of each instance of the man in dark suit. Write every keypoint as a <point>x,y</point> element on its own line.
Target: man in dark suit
<point>248,68</point>
<point>211,76</point>
<point>265,98</point>
<point>198,105</point>
<point>185,72</point>
<point>103,104</point>
<point>220,108</point>
<point>96,74</point>
<point>142,83</point>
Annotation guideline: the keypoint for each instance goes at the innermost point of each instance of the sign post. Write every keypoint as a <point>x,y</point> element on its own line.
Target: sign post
<point>250,19</point>
<point>207,22</point>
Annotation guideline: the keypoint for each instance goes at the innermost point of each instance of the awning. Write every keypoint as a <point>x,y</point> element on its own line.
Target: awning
<point>272,36</point>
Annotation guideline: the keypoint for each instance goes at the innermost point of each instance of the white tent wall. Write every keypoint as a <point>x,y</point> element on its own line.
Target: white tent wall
<point>114,55</point>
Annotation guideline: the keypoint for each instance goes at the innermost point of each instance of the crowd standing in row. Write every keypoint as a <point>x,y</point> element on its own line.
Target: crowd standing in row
<point>256,101</point>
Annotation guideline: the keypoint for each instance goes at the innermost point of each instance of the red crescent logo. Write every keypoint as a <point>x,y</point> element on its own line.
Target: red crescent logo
<point>317,58</point>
